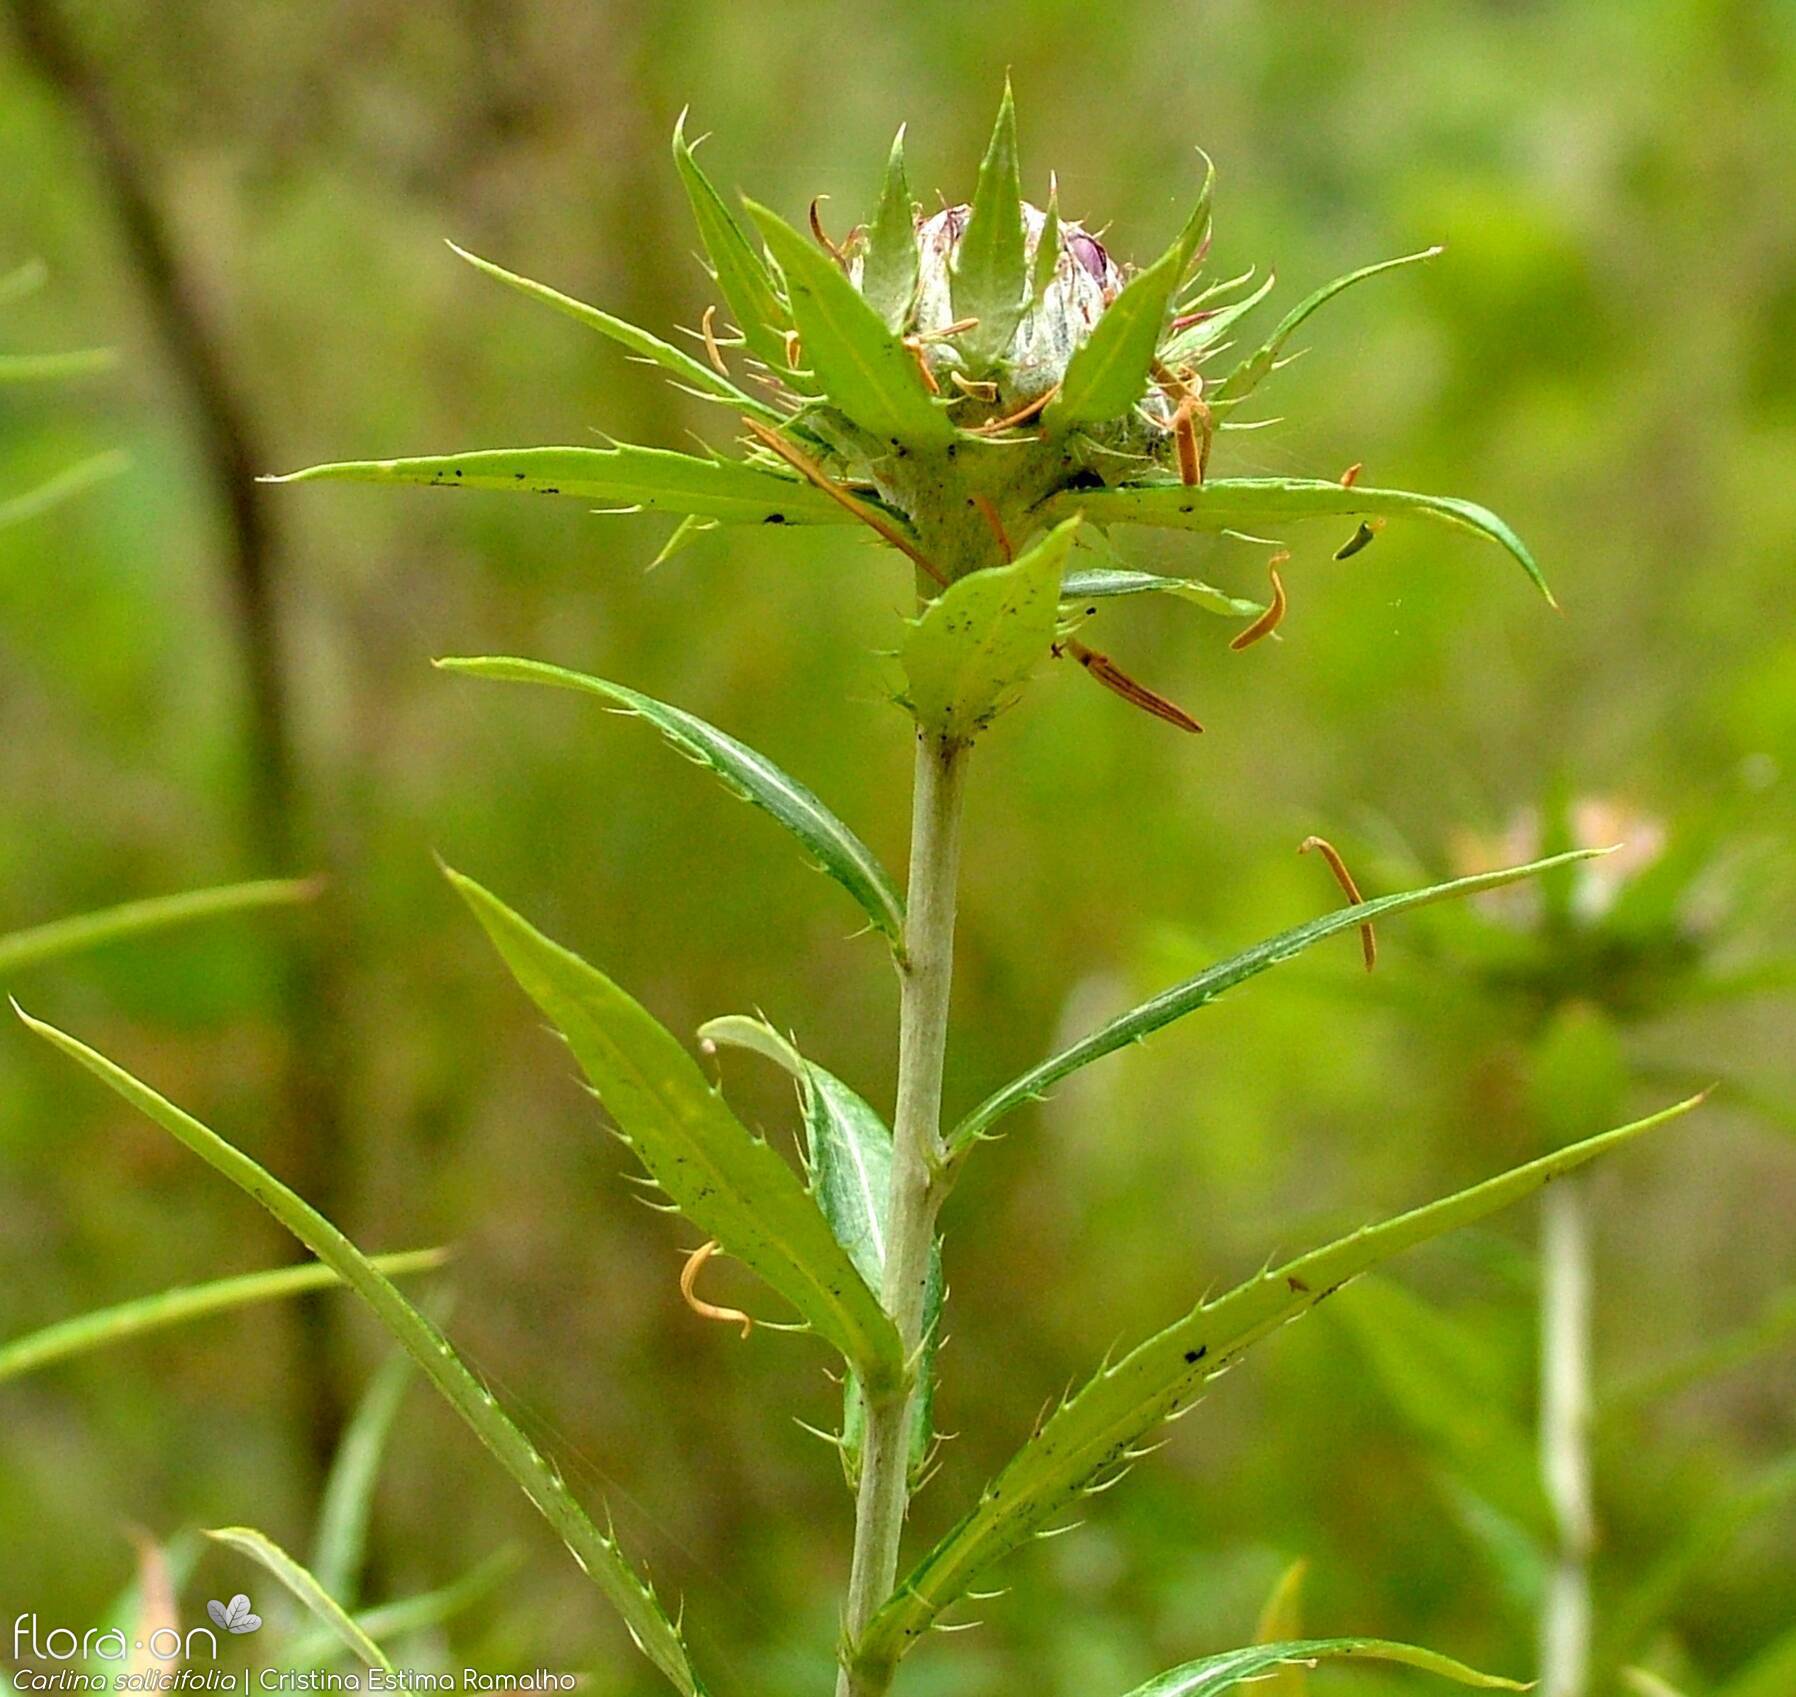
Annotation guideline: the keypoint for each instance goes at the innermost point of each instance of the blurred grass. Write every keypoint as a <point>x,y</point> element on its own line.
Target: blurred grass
<point>1603,356</point>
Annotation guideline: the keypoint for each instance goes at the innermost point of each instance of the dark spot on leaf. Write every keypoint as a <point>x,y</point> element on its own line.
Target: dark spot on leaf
<point>1193,1356</point>
<point>774,518</point>
<point>1295,1283</point>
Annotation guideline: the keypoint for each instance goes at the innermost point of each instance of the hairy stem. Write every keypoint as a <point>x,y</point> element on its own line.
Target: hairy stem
<point>917,1156</point>
<point>1565,1436</point>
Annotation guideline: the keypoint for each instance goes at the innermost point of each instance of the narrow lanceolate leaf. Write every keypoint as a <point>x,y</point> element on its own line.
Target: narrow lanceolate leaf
<point>396,1621</point>
<point>621,476</point>
<point>341,1541</point>
<point>968,656</point>
<point>741,273</point>
<point>1242,381</point>
<point>991,280</point>
<point>1105,582</point>
<point>64,486</point>
<point>1216,1674</point>
<point>1092,1437</point>
<point>727,1181</point>
<point>63,937</point>
<point>848,1149</point>
<point>49,368</point>
<point>695,373</point>
<point>108,1326</point>
<point>1238,503</point>
<point>889,269</point>
<point>320,1603</point>
<point>838,851</point>
<point>1183,998</point>
<point>860,365</point>
<point>596,1554</point>
<point>1112,371</point>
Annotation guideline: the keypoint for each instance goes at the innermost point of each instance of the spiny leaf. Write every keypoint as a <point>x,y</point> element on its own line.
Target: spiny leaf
<point>751,776</point>
<point>1216,1674</point>
<point>970,653</point>
<point>107,1326</point>
<point>849,1152</point>
<point>889,270</point>
<point>694,372</point>
<point>860,365</point>
<point>624,475</point>
<point>341,1540</point>
<point>1242,381</point>
<point>262,1549</point>
<point>1192,993</point>
<point>65,485</point>
<point>1238,503</point>
<point>1110,373</point>
<point>1105,582</point>
<point>990,279</point>
<point>1093,1436</point>
<point>597,1555</point>
<point>741,273</point>
<point>728,1182</point>
<point>62,937</point>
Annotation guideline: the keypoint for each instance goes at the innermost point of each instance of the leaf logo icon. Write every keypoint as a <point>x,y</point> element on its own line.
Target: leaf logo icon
<point>235,1616</point>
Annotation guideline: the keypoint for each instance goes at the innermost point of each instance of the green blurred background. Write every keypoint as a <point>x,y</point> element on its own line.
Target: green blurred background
<point>1606,355</point>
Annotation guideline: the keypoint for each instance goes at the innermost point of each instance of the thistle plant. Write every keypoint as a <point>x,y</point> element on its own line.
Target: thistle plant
<point>1569,980</point>
<point>983,390</point>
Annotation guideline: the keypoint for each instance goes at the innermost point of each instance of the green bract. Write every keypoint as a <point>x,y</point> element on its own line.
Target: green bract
<point>961,383</point>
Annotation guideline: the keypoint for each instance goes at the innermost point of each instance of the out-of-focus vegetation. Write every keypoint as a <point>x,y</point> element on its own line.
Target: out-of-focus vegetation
<point>1603,355</point>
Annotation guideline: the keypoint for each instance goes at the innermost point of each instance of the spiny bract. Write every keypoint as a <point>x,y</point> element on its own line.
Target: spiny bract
<point>961,383</point>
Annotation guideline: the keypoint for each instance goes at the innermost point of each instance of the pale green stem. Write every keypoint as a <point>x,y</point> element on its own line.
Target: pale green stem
<point>1565,1436</point>
<point>916,1191</point>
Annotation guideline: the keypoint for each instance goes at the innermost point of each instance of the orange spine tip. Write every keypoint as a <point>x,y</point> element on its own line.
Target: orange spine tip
<point>1118,682</point>
<point>989,513</point>
<point>1368,938</point>
<point>913,345</point>
<point>812,473</point>
<point>695,1263</point>
<point>822,236</point>
<point>1351,475</point>
<point>1274,616</point>
<point>712,351</point>
<point>1021,416</point>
